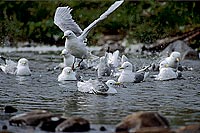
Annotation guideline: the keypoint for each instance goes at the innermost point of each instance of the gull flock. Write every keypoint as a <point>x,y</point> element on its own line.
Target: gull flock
<point>111,65</point>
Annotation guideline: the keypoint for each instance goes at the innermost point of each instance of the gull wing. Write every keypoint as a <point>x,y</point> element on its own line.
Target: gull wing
<point>112,8</point>
<point>63,19</point>
<point>10,67</point>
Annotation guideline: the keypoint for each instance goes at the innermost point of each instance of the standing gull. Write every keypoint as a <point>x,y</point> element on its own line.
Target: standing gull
<point>68,60</point>
<point>76,38</point>
<point>103,68</point>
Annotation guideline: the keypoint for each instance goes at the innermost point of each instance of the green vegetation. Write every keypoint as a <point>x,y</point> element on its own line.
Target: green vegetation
<point>144,21</point>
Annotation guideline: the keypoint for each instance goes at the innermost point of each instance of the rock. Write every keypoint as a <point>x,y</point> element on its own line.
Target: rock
<point>102,128</point>
<point>189,129</point>
<point>33,118</point>
<point>141,120</point>
<point>10,109</point>
<point>154,130</point>
<point>182,47</point>
<point>74,124</point>
<point>134,48</point>
<point>112,46</point>
<point>5,129</point>
<point>50,123</point>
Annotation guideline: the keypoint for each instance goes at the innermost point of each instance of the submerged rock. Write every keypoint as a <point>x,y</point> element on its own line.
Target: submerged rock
<point>10,109</point>
<point>33,118</point>
<point>74,124</point>
<point>140,120</point>
<point>50,122</point>
<point>154,130</point>
<point>182,47</point>
<point>189,129</point>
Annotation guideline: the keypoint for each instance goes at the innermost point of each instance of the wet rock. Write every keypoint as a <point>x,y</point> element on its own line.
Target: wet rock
<point>33,118</point>
<point>182,47</point>
<point>10,109</point>
<point>74,124</point>
<point>102,128</point>
<point>5,129</point>
<point>154,130</point>
<point>141,120</point>
<point>50,123</point>
<point>189,129</point>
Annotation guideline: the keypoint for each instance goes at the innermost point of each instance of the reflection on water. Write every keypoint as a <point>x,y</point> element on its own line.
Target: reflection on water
<point>178,100</point>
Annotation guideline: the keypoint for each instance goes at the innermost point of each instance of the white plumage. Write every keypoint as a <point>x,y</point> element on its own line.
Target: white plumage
<point>166,72</point>
<point>67,74</point>
<point>75,37</point>
<point>127,75</point>
<point>21,68</point>
<point>97,87</point>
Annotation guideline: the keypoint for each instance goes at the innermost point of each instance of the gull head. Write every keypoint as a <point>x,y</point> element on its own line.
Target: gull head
<point>23,62</point>
<point>126,66</point>
<point>67,70</point>
<point>163,64</point>
<point>69,34</point>
<point>112,83</point>
<point>65,53</point>
<point>176,56</point>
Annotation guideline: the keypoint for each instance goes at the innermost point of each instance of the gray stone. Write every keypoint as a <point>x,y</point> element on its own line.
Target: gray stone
<point>140,120</point>
<point>182,47</point>
<point>74,124</point>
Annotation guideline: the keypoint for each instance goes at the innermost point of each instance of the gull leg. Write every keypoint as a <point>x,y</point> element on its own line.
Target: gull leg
<point>73,68</point>
<point>79,64</point>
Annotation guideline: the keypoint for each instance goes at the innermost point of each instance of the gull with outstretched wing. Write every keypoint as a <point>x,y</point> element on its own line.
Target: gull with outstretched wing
<point>75,37</point>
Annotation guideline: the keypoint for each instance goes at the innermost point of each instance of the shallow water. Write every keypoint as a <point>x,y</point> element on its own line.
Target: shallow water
<point>178,100</point>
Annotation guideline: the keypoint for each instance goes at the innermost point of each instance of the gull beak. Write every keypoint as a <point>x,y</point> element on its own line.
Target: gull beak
<point>120,68</point>
<point>63,37</point>
<point>61,54</point>
<point>166,65</point>
<point>117,83</point>
<point>177,59</point>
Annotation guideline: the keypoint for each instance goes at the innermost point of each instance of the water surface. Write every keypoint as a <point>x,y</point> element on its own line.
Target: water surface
<point>178,100</point>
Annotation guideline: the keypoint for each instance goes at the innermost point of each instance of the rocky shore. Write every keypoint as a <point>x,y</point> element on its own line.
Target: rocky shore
<point>137,122</point>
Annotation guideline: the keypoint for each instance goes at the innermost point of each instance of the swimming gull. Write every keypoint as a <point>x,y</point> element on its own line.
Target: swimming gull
<point>76,38</point>
<point>97,87</point>
<point>21,68</point>
<point>67,74</point>
<point>173,60</point>
<point>127,75</point>
<point>166,72</point>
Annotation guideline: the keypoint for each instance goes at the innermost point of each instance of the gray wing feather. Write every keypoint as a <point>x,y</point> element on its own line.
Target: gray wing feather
<point>63,19</point>
<point>112,8</point>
